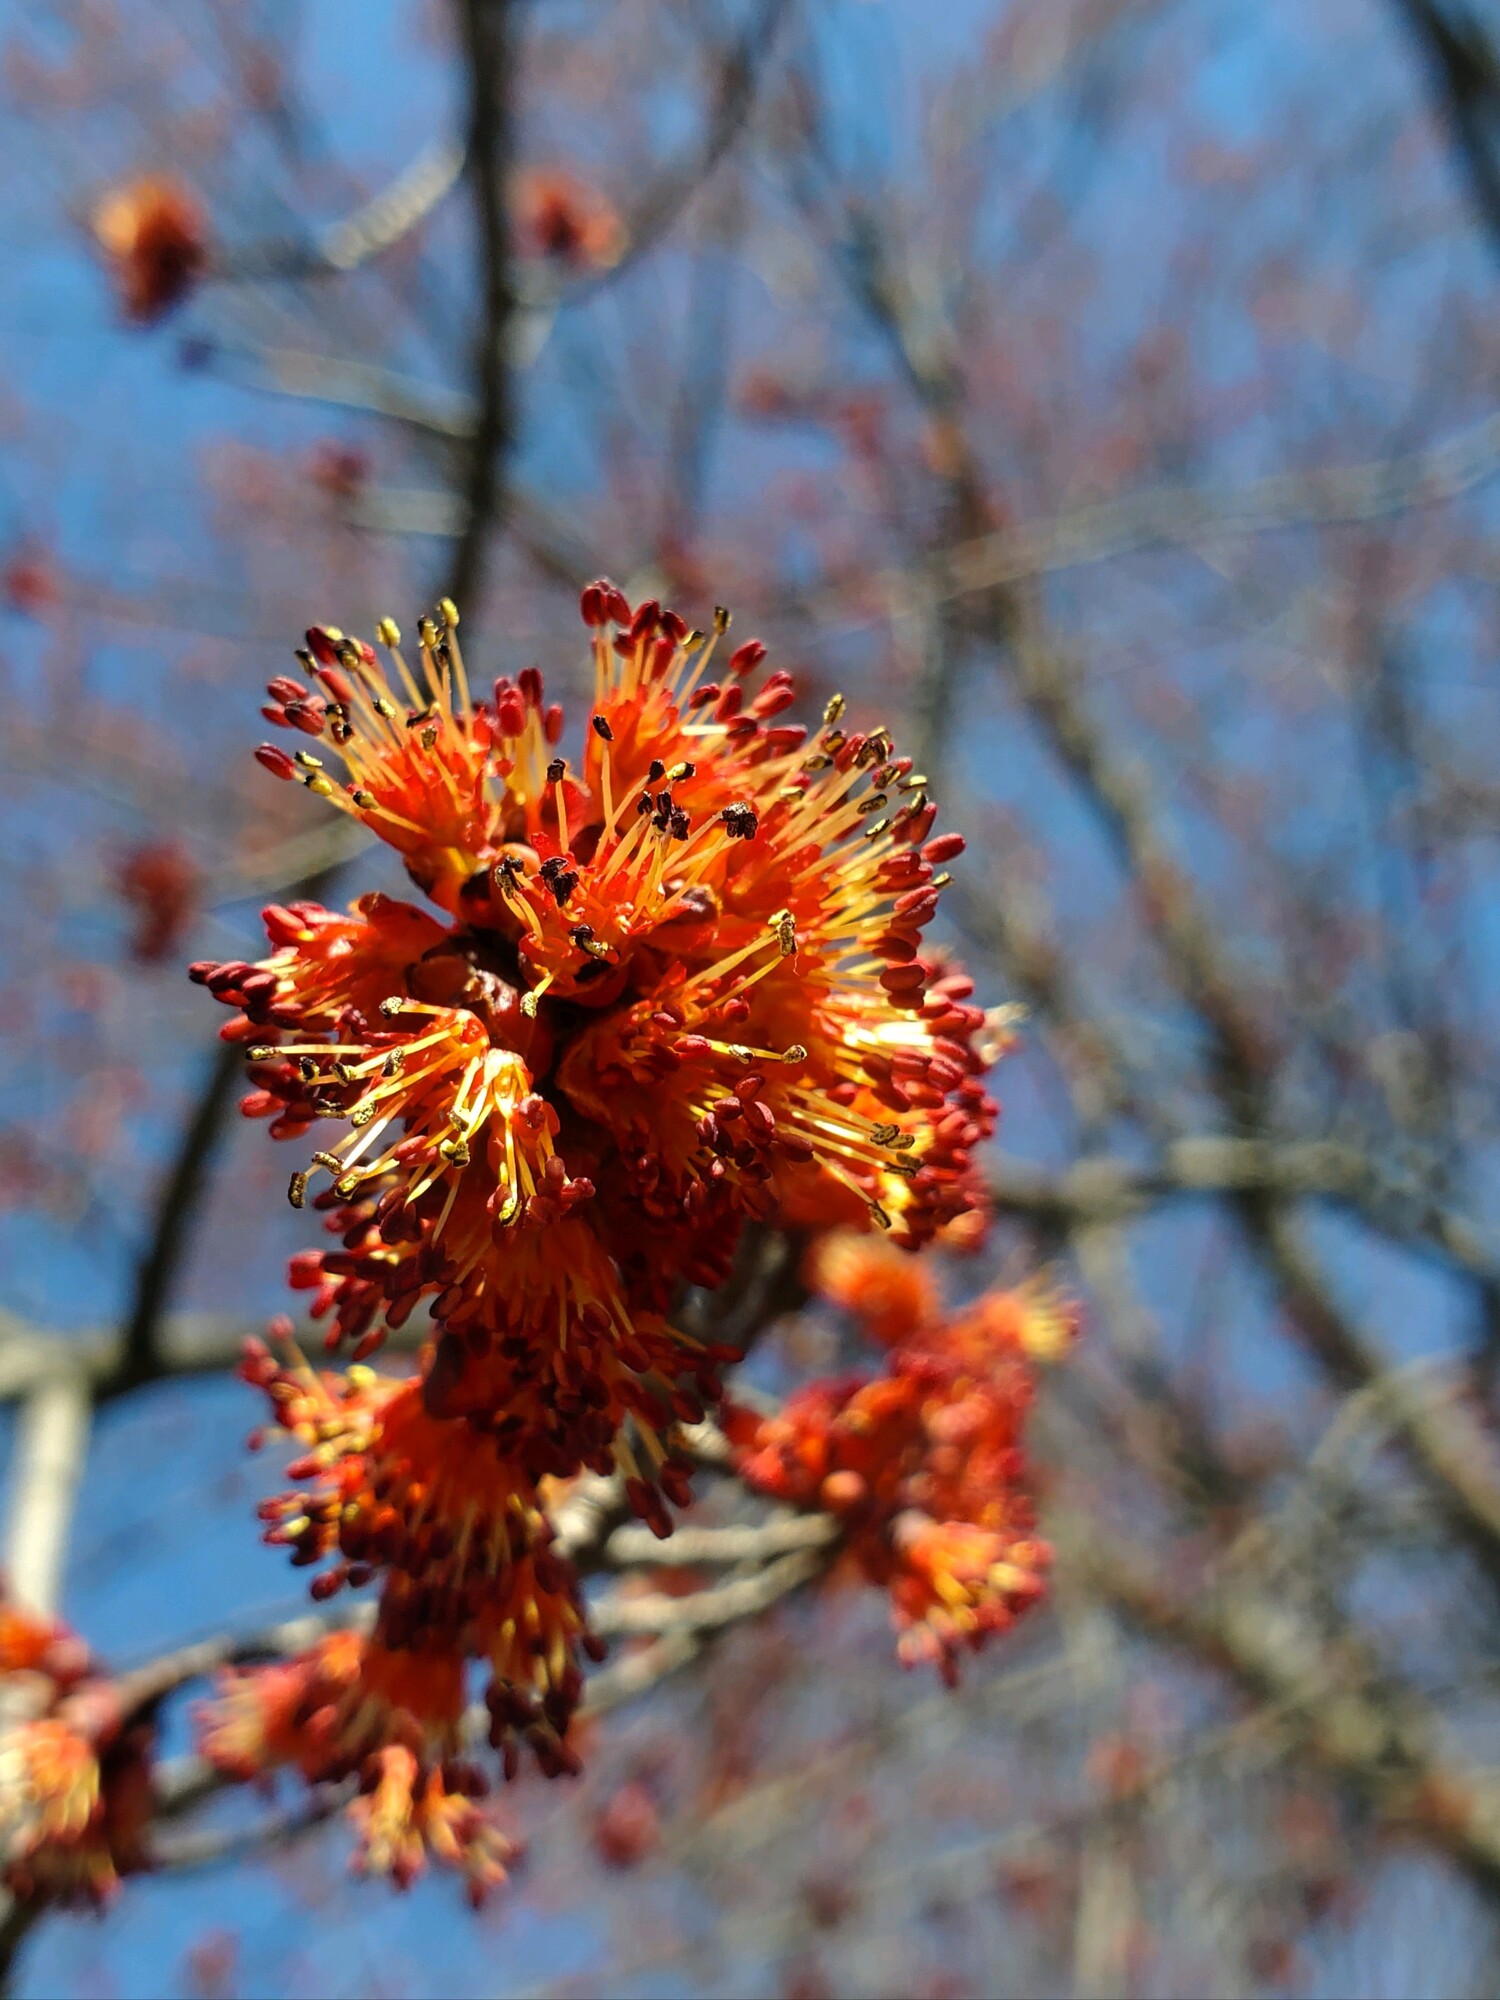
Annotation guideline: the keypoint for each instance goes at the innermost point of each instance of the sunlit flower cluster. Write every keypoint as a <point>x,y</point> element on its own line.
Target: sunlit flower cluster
<point>675,983</point>
<point>75,1773</point>
<point>923,1462</point>
<point>154,232</point>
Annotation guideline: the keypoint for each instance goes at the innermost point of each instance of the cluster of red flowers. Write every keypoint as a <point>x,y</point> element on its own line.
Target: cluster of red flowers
<point>75,1771</point>
<point>677,984</point>
<point>154,233</point>
<point>159,884</point>
<point>922,1462</point>
<point>562,218</point>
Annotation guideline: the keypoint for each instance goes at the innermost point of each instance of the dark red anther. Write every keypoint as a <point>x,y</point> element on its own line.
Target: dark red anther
<point>749,1086</point>
<point>530,682</point>
<point>947,847</point>
<point>693,1045</point>
<point>276,761</point>
<point>915,830</point>
<point>895,950</point>
<point>647,618</point>
<point>593,602</point>
<point>283,689</point>
<point>310,716</point>
<point>771,701</point>
<point>917,904</point>
<point>552,723</point>
<point>746,658</point>
<point>337,683</point>
<point>729,703</point>
<point>903,978</point>
<point>202,970</point>
<point>701,697</point>
<point>759,1117</point>
<point>322,645</point>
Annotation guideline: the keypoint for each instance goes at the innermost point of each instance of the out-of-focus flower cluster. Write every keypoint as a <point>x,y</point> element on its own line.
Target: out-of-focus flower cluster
<point>75,1769</point>
<point>154,235</point>
<point>674,984</point>
<point>923,1462</point>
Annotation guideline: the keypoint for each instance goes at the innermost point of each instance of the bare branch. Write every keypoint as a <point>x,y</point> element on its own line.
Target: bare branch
<point>50,1451</point>
<point>491,57</point>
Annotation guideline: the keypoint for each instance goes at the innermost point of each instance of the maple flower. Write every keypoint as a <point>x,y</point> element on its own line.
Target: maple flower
<point>75,1776</point>
<point>887,1294</point>
<point>348,1706</point>
<point>668,987</point>
<point>563,218</point>
<point>924,1463</point>
<point>155,234</point>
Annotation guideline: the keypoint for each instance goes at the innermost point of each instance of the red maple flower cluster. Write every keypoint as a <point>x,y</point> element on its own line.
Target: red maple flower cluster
<point>75,1770</point>
<point>154,232</point>
<point>676,984</point>
<point>923,1462</point>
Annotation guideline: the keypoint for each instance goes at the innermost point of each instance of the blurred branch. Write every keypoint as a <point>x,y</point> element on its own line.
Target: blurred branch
<point>177,1209</point>
<point>1464,65</point>
<point>1165,517</point>
<point>397,209</point>
<point>377,225</point>
<point>491,60</point>
<point>1376,1735</point>
<point>51,1445</point>
<point>1107,1188</point>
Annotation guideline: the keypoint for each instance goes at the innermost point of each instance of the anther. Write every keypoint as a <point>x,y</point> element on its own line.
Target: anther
<point>388,632</point>
<point>391,1006</point>
<point>449,610</point>
<point>721,620</point>
<point>834,709</point>
<point>602,729</point>
<point>307,760</point>
<point>296,1192</point>
<point>260,1053</point>
<point>657,772</point>
<point>557,771</point>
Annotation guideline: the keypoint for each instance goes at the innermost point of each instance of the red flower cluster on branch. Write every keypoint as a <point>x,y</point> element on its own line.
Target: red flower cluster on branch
<point>923,1463</point>
<point>154,233</point>
<point>75,1769</point>
<point>678,983</point>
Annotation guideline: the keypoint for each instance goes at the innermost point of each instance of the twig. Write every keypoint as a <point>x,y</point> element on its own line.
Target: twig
<point>50,1451</point>
<point>491,63</point>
